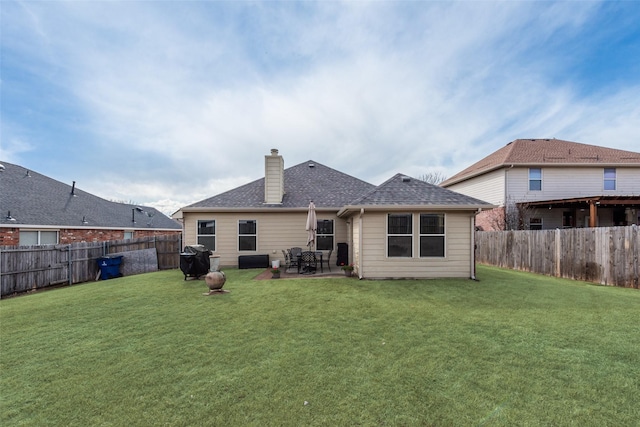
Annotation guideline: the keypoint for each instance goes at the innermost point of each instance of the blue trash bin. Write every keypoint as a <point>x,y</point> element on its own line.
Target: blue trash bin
<point>110,266</point>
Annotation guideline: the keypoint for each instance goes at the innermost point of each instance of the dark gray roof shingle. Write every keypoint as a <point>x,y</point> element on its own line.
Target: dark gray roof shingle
<point>310,180</point>
<point>35,199</point>
<point>402,190</point>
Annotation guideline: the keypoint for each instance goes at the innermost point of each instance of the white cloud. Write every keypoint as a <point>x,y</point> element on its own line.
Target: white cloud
<point>202,91</point>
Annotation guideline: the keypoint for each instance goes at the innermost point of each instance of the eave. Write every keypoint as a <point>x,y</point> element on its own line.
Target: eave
<point>350,210</point>
<point>452,181</point>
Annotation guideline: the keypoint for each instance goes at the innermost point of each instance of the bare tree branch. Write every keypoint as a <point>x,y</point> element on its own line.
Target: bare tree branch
<point>434,178</point>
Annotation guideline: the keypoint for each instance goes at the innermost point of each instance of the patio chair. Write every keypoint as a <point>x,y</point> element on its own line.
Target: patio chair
<point>294,258</point>
<point>326,259</point>
<point>308,262</point>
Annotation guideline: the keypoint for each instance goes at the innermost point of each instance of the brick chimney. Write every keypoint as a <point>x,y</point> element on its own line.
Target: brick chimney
<point>273,178</point>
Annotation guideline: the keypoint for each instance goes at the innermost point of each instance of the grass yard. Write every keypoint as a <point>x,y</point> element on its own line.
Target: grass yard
<point>511,349</point>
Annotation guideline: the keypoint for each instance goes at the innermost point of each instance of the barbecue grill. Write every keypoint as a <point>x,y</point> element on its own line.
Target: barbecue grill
<point>194,261</point>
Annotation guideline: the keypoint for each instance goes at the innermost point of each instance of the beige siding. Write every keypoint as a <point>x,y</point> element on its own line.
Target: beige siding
<point>274,179</point>
<point>276,231</point>
<point>374,263</point>
<point>563,182</point>
<point>489,187</point>
<point>628,181</point>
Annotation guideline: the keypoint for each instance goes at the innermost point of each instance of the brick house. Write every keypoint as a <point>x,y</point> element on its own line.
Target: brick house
<point>38,210</point>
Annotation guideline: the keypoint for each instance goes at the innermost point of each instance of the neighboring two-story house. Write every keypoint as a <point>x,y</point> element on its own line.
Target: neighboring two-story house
<point>551,183</point>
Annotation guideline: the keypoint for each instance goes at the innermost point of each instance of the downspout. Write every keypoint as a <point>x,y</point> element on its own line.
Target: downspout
<point>360,268</point>
<point>473,244</point>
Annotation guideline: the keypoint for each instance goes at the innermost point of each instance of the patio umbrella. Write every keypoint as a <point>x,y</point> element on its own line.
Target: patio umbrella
<point>312,225</point>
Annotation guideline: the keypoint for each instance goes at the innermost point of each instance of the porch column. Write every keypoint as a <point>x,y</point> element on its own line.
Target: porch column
<point>593,212</point>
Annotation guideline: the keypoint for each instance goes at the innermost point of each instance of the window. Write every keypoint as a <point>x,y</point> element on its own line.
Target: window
<point>128,235</point>
<point>535,224</point>
<point>31,238</point>
<point>432,235</point>
<point>610,179</point>
<point>207,234</point>
<point>535,179</point>
<point>324,235</point>
<point>247,235</point>
<point>399,235</point>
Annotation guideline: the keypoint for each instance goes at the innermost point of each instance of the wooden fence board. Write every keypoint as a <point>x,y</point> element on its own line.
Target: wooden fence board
<point>606,255</point>
<point>27,268</point>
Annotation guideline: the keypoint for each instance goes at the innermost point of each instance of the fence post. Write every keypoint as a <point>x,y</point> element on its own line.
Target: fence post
<point>558,257</point>
<point>70,265</point>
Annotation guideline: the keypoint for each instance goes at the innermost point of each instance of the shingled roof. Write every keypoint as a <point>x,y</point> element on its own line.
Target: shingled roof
<point>404,191</point>
<point>310,180</point>
<point>35,199</point>
<point>546,152</point>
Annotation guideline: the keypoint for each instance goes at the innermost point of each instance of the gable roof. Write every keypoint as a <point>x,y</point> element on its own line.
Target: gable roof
<point>405,192</point>
<point>547,152</point>
<point>310,180</point>
<point>35,199</point>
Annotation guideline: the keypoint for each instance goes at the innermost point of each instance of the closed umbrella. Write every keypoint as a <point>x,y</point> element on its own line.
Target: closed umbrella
<point>312,225</point>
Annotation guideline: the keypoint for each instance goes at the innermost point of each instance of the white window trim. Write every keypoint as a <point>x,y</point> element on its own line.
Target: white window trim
<point>39,236</point>
<point>333,235</point>
<point>529,181</point>
<point>615,179</point>
<point>401,235</point>
<point>541,223</point>
<point>214,235</point>
<point>443,235</point>
<point>238,236</point>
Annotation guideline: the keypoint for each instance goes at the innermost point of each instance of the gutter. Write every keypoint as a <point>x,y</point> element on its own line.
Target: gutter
<point>399,208</point>
<point>452,181</point>
<point>270,208</point>
<point>83,227</point>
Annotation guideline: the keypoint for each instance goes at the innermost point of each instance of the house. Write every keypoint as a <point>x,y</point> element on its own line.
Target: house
<point>551,183</point>
<point>38,210</point>
<point>404,228</point>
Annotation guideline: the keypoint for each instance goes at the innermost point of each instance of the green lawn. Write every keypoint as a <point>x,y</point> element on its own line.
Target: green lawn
<point>511,349</point>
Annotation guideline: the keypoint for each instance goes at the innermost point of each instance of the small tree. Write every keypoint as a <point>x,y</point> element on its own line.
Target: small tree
<point>517,214</point>
<point>512,216</point>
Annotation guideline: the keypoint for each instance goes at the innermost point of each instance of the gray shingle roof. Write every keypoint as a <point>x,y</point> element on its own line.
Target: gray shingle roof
<point>402,190</point>
<point>35,199</point>
<point>310,180</point>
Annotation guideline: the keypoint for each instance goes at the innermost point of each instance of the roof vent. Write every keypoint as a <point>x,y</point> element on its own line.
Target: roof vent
<point>28,173</point>
<point>73,189</point>
<point>9,217</point>
<point>406,179</point>
<point>1,168</point>
<point>312,165</point>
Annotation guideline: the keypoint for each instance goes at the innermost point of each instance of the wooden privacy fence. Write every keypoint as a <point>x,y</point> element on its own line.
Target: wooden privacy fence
<point>605,255</point>
<point>27,268</point>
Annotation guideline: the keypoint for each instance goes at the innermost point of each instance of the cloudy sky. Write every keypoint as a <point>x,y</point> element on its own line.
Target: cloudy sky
<point>164,103</point>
